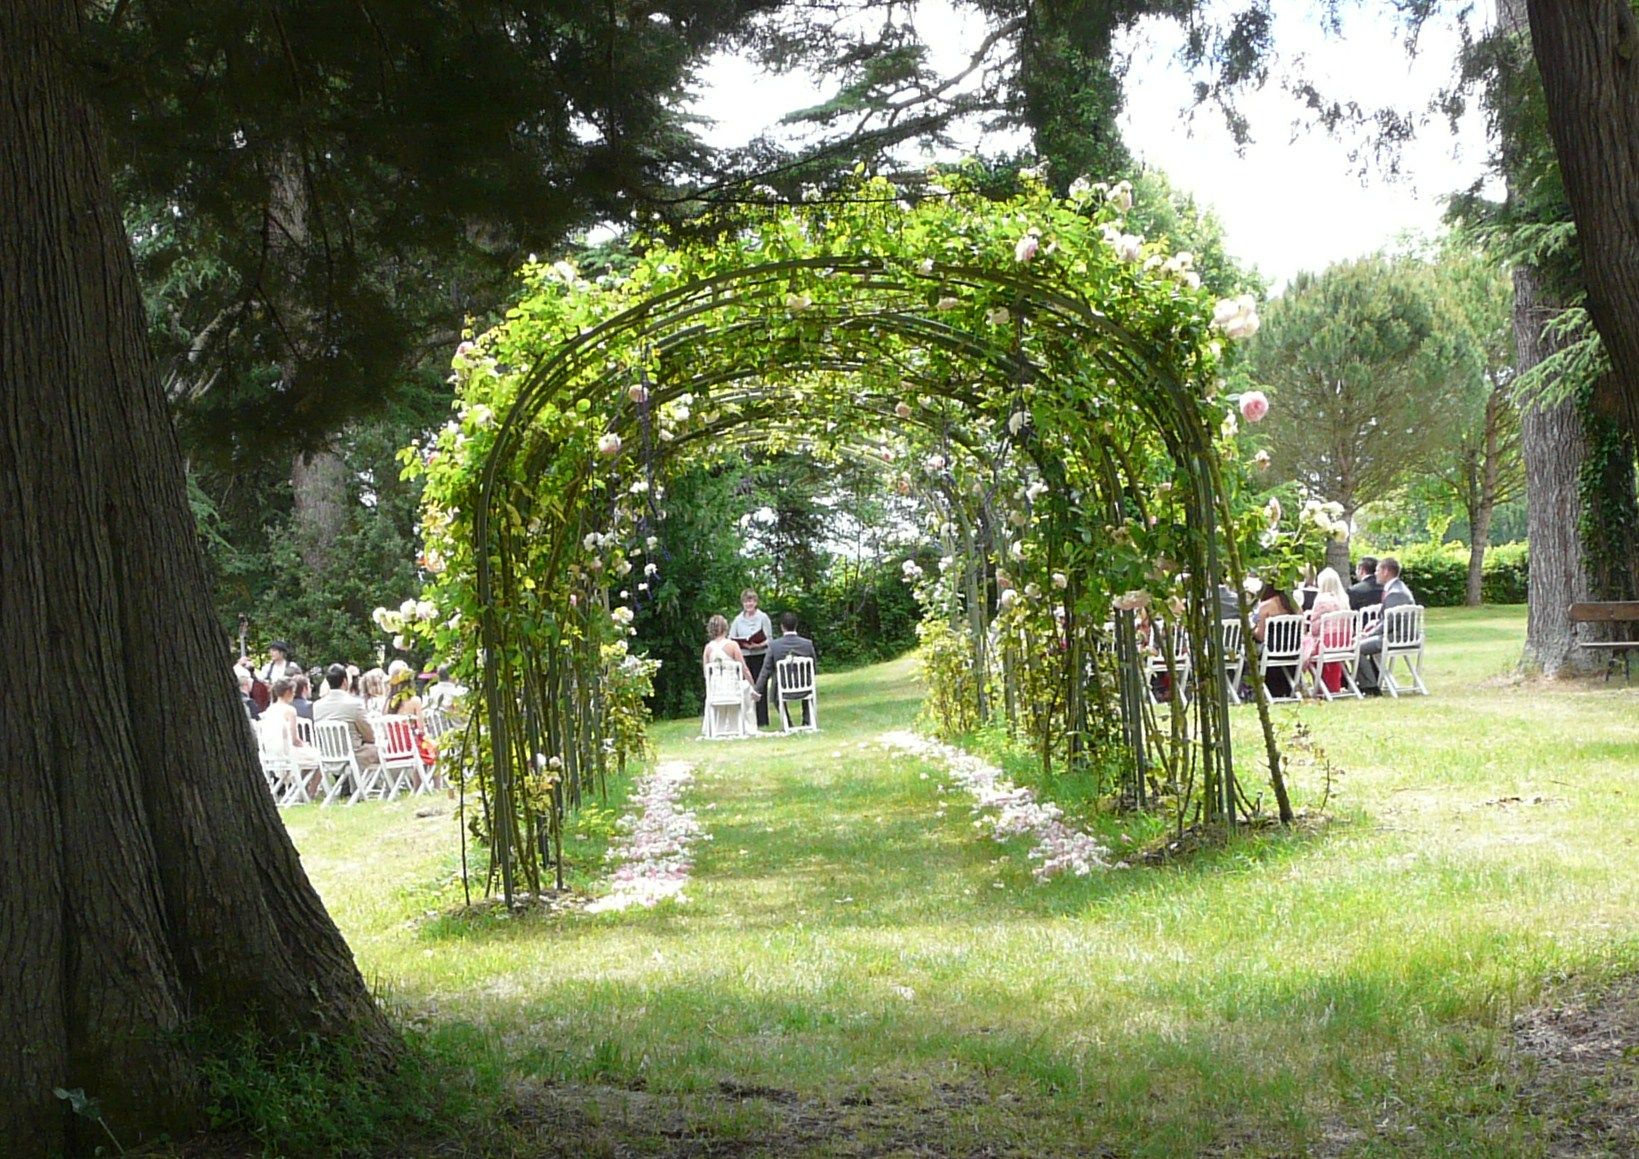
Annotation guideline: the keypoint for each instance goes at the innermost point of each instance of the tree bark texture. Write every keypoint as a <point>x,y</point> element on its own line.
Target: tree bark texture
<point>1588,54</point>
<point>1481,498</point>
<point>149,883</point>
<point>1554,446</point>
<point>320,496</point>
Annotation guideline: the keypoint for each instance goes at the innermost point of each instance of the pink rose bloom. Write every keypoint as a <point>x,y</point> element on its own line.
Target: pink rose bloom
<point>1254,405</point>
<point>1027,247</point>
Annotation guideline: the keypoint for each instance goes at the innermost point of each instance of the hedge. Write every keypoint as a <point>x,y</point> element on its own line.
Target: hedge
<point>1438,575</point>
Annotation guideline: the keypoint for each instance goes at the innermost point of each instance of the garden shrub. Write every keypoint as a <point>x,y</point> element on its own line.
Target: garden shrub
<point>1438,573</point>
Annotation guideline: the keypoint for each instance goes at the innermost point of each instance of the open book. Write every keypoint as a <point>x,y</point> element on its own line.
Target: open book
<point>759,640</point>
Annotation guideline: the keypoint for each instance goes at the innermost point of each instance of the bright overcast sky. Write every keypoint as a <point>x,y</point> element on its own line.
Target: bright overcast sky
<point>1293,200</point>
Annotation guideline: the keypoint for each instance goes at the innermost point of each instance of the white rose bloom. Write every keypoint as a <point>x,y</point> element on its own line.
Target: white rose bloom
<point>407,609</point>
<point>997,316</point>
<point>638,392</point>
<point>401,643</point>
<point>926,266</point>
<point>1037,489</point>
<point>621,615</point>
<point>1017,550</point>
<point>426,610</point>
<point>641,487</point>
<point>1060,580</point>
<point>1017,421</point>
<point>1008,598</point>
<point>1130,247</point>
<point>1252,584</point>
<point>650,569</point>
<point>936,463</point>
<point>592,541</point>
<point>609,444</point>
<point>947,303</point>
<point>1033,590</point>
<point>379,616</point>
<point>1121,195</point>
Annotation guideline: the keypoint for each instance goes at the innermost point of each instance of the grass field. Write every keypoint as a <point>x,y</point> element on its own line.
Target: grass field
<point>858,971</point>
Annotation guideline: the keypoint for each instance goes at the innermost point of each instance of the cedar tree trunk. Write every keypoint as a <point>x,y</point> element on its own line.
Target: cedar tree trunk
<point>1555,446</point>
<point>150,886</point>
<point>1588,54</point>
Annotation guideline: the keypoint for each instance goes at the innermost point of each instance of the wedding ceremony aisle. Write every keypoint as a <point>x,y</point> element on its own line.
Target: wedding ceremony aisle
<point>855,965</point>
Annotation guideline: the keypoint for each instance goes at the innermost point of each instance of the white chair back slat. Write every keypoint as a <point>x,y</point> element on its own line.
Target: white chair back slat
<point>400,756</point>
<point>1282,648</point>
<point>339,764</point>
<point>1403,640</point>
<point>794,676</point>
<point>1339,636</point>
<point>1234,657</point>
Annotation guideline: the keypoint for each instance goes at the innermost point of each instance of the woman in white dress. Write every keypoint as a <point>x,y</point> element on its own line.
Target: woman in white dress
<point>280,736</point>
<point>720,648</point>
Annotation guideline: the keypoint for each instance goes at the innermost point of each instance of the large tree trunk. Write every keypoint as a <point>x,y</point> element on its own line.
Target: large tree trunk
<point>1588,54</point>
<point>149,884</point>
<point>1482,492</point>
<point>1554,446</point>
<point>321,493</point>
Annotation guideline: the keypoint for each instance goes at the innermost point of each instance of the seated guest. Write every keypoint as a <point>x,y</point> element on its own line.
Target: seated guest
<point>372,686</point>
<point>246,682</point>
<point>1366,591</point>
<point>1305,595</point>
<point>280,737</point>
<point>1395,595</point>
<point>339,704</point>
<point>1275,603</point>
<point>402,701</point>
<point>1330,596</point>
<point>300,702</point>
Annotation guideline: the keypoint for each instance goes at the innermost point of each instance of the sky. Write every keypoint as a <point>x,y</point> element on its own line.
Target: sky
<point>1291,200</point>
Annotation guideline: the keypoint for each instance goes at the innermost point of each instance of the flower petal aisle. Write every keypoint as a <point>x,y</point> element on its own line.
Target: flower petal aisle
<point>651,857</point>
<point>1057,847</point>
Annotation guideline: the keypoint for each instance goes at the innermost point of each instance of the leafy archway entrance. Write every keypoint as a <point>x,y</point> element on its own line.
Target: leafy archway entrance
<point>1046,379</point>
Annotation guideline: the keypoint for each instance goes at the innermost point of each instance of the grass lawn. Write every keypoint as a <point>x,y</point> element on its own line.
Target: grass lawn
<point>859,972</point>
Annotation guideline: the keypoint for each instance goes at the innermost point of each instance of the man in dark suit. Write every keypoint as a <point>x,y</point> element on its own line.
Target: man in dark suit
<point>788,644</point>
<point>1367,591</point>
<point>1395,595</point>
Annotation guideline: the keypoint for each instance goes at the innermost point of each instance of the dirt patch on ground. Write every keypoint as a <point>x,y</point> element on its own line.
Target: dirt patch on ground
<point>1581,1057</point>
<point>918,1121</point>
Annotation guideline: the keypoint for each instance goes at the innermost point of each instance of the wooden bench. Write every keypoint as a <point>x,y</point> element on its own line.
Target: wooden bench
<point>1609,612</point>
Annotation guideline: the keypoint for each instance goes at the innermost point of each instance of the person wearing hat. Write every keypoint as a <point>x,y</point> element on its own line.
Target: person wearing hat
<point>402,701</point>
<point>275,668</point>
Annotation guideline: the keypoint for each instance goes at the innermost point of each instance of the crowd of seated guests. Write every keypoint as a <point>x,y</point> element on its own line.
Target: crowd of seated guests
<point>278,694</point>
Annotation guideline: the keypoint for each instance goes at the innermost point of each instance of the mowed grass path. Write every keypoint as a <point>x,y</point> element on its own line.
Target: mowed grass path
<point>859,971</point>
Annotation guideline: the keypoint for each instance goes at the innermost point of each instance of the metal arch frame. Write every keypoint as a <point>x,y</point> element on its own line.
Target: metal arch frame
<point>654,326</point>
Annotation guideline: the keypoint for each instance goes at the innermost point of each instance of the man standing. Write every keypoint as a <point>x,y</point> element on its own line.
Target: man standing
<point>788,644</point>
<point>339,704</point>
<point>1366,591</point>
<point>751,630</point>
<point>1395,595</point>
<point>279,651</point>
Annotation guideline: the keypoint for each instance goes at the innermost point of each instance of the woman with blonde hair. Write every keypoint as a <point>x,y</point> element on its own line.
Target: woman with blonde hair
<point>1330,596</point>
<point>721,649</point>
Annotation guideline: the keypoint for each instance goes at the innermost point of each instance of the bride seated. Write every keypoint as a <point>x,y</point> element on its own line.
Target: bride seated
<point>730,701</point>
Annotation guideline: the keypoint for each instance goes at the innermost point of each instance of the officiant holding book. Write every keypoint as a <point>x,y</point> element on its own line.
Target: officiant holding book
<point>751,630</point>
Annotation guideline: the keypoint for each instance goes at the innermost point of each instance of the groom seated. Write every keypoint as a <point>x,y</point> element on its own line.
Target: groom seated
<point>1395,595</point>
<point>788,644</point>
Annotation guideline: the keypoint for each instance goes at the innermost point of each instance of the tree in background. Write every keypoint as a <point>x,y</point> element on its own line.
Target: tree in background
<point>1363,363</point>
<point>1481,467</point>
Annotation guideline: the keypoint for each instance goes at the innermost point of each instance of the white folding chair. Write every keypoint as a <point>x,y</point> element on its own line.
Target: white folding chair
<point>1157,663</point>
<point>1402,640</point>
<point>339,764</point>
<point>1369,615</point>
<point>286,778</point>
<point>725,699</point>
<point>795,678</point>
<point>1282,648</point>
<point>304,729</point>
<point>1234,658</point>
<point>435,722</point>
<point>1339,635</point>
<point>400,756</point>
